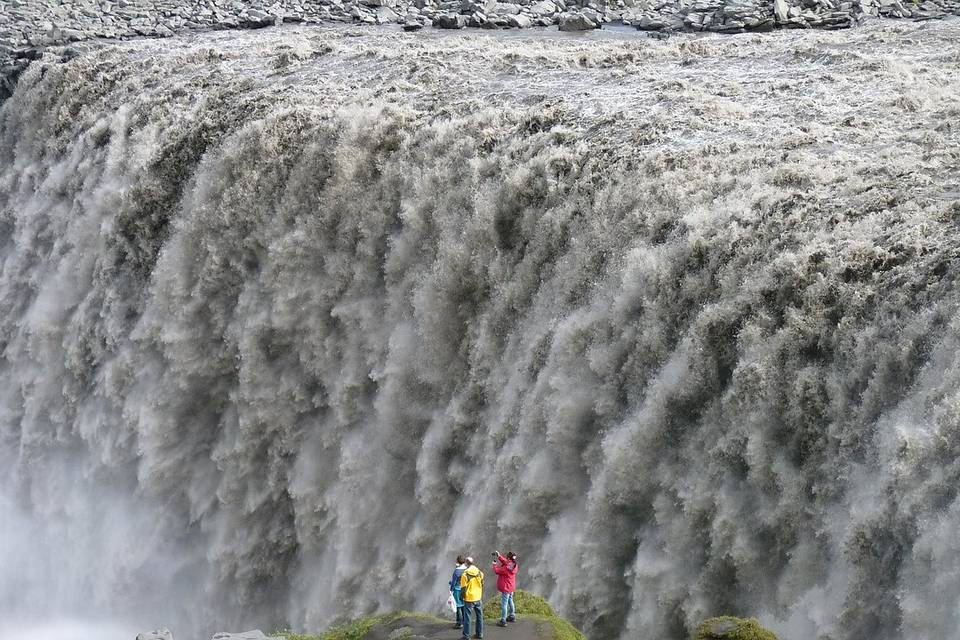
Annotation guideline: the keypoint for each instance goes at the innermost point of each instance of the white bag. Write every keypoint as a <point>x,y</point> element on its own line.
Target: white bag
<point>452,603</point>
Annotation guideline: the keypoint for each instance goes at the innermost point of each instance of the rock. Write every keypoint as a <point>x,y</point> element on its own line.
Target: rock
<point>593,15</point>
<point>543,8</point>
<point>740,11</point>
<point>730,628</point>
<point>46,23</point>
<point>761,24</point>
<point>695,21</point>
<point>450,21</point>
<point>576,22</point>
<point>9,74</point>
<point>386,15</point>
<point>160,634</point>
<point>650,24</point>
<point>477,6</point>
<point>719,628</point>
<point>256,634</point>
<point>477,19</point>
<point>256,19</point>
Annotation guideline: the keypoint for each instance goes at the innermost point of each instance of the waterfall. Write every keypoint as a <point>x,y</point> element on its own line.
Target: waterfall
<point>289,319</point>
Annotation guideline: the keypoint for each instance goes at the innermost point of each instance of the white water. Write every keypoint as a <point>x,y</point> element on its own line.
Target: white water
<point>293,314</point>
<point>67,630</point>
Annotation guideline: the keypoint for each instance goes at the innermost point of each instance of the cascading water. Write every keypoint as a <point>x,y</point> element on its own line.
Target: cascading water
<point>291,318</point>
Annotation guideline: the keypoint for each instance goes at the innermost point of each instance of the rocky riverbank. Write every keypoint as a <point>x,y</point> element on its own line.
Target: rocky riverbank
<point>40,23</point>
<point>165,634</point>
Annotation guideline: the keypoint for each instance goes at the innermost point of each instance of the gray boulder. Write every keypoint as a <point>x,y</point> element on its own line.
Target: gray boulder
<point>485,7</point>
<point>256,634</point>
<point>450,21</point>
<point>650,24</point>
<point>385,15</point>
<point>477,19</point>
<point>576,22</point>
<point>543,8</point>
<point>159,634</point>
<point>593,15</point>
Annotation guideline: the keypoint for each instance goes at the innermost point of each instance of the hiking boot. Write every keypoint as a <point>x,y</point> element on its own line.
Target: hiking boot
<point>511,619</point>
<point>458,626</point>
<point>501,623</point>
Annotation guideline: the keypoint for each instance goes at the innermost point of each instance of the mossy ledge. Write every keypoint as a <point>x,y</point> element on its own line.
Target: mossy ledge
<point>730,628</point>
<point>527,604</point>
<point>359,629</point>
<point>530,608</point>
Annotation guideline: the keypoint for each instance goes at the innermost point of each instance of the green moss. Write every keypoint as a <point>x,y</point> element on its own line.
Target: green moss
<point>730,628</point>
<point>290,635</point>
<point>526,602</point>
<point>358,629</point>
<point>562,630</point>
<point>534,608</point>
<point>530,607</point>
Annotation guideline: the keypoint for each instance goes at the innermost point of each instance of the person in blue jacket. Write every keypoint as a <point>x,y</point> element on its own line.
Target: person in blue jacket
<point>457,591</point>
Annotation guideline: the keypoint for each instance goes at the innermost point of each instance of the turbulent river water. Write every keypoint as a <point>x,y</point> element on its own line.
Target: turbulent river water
<point>290,318</point>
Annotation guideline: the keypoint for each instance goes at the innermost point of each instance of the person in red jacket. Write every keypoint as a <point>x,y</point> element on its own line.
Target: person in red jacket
<point>506,568</point>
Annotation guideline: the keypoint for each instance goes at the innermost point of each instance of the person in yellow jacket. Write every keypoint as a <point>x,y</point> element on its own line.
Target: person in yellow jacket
<point>471,585</point>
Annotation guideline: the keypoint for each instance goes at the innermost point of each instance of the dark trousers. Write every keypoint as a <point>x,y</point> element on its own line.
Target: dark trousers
<point>472,609</point>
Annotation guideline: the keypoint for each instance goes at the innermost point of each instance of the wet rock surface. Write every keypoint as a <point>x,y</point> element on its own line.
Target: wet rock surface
<point>158,634</point>
<point>256,634</point>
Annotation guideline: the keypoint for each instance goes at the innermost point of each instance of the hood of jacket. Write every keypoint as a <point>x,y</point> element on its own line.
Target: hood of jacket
<point>472,584</point>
